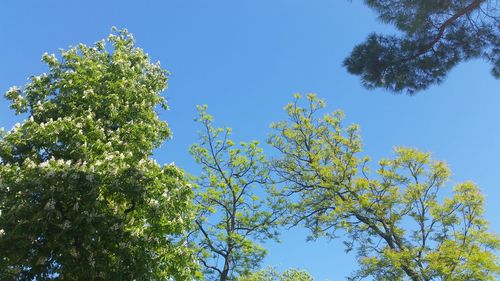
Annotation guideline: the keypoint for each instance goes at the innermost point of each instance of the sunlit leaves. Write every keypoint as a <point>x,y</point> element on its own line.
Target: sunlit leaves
<point>235,212</point>
<point>79,196</point>
<point>271,274</point>
<point>393,218</point>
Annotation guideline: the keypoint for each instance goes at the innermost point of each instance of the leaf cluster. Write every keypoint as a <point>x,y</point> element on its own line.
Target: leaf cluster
<point>79,196</point>
<point>235,211</point>
<point>435,37</point>
<point>394,219</point>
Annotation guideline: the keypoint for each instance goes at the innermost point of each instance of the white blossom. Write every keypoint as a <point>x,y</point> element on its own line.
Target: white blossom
<point>89,178</point>
<point>67,224</point>
<point>73,252</point>
<point>13,89</point>
<point>154,202</point>
<point>29,163</point>
<point>51,204</point>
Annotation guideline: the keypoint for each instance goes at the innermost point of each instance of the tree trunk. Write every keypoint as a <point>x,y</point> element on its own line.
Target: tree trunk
<point>225,270</point>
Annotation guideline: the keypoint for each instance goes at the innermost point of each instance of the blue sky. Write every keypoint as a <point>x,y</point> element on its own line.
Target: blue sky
<point>245,59</point>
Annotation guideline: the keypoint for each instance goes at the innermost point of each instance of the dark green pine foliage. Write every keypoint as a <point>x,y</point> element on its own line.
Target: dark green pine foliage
<point>436,36</point>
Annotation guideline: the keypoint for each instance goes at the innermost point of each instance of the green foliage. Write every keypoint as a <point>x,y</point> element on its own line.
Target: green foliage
<point>80,197</point>
<point>234,213</point>
<point>436,36</point>
<point>394,218</point>
<point>271,274</point>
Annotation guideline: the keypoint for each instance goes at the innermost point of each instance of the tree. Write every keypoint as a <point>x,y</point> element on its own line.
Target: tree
<point>436,36</point>
<point>234,214</point>
<point>395,219</point>
<point>80,197</point>
<point>271,274</point>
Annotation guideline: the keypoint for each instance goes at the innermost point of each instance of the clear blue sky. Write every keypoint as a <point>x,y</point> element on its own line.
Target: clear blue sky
<point>245,59</point>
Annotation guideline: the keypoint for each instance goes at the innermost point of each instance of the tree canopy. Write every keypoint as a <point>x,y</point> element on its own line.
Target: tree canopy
<point>435,37</point>
<point>235,212</point>
<point>271,274</point>
<point>80,197</point>
<point>394,219</point>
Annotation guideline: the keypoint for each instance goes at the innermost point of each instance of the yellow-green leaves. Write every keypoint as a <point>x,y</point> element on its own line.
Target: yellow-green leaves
<point>271,274</point>
<point>318,159</point>
<point>394,218</point>
<point>235,212</point>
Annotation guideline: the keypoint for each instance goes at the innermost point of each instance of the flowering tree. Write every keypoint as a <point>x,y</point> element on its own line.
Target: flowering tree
<point>80,198</point>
